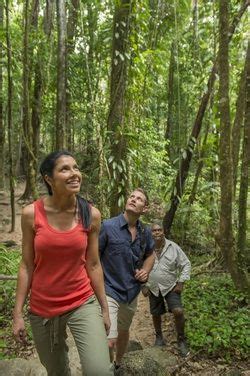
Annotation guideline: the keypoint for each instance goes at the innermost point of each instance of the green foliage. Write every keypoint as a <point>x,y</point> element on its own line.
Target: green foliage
<point>194,225</point>
<point>218,317</point>
<point>9,262</point>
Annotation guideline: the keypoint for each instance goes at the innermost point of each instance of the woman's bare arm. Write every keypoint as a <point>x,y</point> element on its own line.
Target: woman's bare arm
<point>25,271</point>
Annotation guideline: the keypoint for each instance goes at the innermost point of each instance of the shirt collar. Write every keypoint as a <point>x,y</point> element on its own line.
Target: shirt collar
<point>124,223</point>
<point>166,245</point>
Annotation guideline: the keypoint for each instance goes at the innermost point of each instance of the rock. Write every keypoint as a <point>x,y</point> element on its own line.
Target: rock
<point>151,361</point>
<point>22,367</point>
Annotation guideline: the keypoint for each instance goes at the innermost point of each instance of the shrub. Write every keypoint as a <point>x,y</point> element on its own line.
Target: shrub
<point>218,317</point>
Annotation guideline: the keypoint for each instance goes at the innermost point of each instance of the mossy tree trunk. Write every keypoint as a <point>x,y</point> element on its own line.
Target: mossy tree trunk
<point>243,243</point>
<point>237,125</point>
<point>61,76</point>
<point>226,238</point>
<point>116,116</point>
<point>71,32</point>
<point>30,20</point>
<point>2,127</point>
<point>9,117</point>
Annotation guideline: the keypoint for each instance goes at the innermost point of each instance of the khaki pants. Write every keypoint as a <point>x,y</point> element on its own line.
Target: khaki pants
<point>87,328</point>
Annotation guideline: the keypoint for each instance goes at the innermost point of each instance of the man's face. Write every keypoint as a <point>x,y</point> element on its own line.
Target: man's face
<point>157,232</point>
<point>136,203</point>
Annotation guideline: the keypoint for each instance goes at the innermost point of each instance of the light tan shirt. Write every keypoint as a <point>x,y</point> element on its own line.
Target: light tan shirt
<point>171,267</point>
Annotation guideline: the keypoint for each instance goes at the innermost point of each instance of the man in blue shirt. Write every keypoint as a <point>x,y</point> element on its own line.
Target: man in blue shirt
<point>126,251</point>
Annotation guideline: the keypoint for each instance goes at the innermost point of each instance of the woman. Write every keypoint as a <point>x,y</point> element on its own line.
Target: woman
<point>60,267</point>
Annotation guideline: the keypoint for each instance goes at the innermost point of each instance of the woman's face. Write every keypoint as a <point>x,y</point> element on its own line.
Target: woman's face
<point>66,176</point>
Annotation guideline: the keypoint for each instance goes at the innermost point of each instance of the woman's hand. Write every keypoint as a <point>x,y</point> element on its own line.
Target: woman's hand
<point>19,329</point>
<point>106,320</point>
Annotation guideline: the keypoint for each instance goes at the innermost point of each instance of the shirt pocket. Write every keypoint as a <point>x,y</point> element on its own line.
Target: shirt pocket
<point>169,264</point>
<point>116,247</point>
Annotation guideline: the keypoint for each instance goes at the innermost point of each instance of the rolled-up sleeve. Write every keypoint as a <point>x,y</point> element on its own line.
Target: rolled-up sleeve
<point>184,266</point>
<point>102,239</point>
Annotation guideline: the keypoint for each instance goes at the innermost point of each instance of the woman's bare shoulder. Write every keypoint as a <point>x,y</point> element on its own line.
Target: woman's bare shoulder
<point>95,213</point>
<point>96,218</point>
<point>28,213</point>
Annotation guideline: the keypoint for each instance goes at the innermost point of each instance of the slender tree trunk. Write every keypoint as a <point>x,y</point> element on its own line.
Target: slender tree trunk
<point>71,31</point>
<point>2,131</point>
<point>171,91</point>
<point>30,19</point>
<point>195,30</point>
<point>243,247</point>
<point>238,121</point>
<point>37,91</point>
<point>199,168</point>
<point>61,76</point>
<point>36,108</point>
<point>48,17</point>
<point>188,153</point>
<point>117,106</point>
<point>10,125</point>
<point>92,24</point>
<point>225,153</point>
<point>225,238</point>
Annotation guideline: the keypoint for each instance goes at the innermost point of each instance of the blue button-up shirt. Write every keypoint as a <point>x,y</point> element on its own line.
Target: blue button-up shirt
<point>120,257</point>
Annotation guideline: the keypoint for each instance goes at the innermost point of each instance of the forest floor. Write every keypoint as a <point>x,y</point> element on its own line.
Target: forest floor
<point>142,329</point>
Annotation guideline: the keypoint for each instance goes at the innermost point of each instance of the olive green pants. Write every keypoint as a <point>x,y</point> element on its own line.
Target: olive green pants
<point>87,328</point>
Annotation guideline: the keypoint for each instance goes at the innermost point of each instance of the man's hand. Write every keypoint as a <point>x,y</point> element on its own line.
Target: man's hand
<point>145,291</point>
<point>178,288</point>
<point>141,275</point>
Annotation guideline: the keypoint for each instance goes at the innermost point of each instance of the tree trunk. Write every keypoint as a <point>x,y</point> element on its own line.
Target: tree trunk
<point>2,135</point>
<point>48,17</point>
<point>188,153</point>
<point>61,76</point>
<point>195,49</point>
<point>225,238</point>
<point>10,125</point>
<point>37,90</point>
<point>199,168</point>
<point>71,30</point>
<point>117,106</point>
<point>225,153</point>
<point>243,247</point>
<point>36,107</point>
<point>171,91</point>
<point>30,18</point>
<point>92,25</point>
<point>238,121</point>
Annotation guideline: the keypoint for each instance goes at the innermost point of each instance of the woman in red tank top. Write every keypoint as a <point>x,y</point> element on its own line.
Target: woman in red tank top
<point>61,270</point>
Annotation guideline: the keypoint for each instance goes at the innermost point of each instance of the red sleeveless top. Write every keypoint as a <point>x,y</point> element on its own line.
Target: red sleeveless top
<point>60,282</point>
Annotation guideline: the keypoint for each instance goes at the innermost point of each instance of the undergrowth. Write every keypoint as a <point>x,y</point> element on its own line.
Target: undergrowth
<point>217,317</point>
